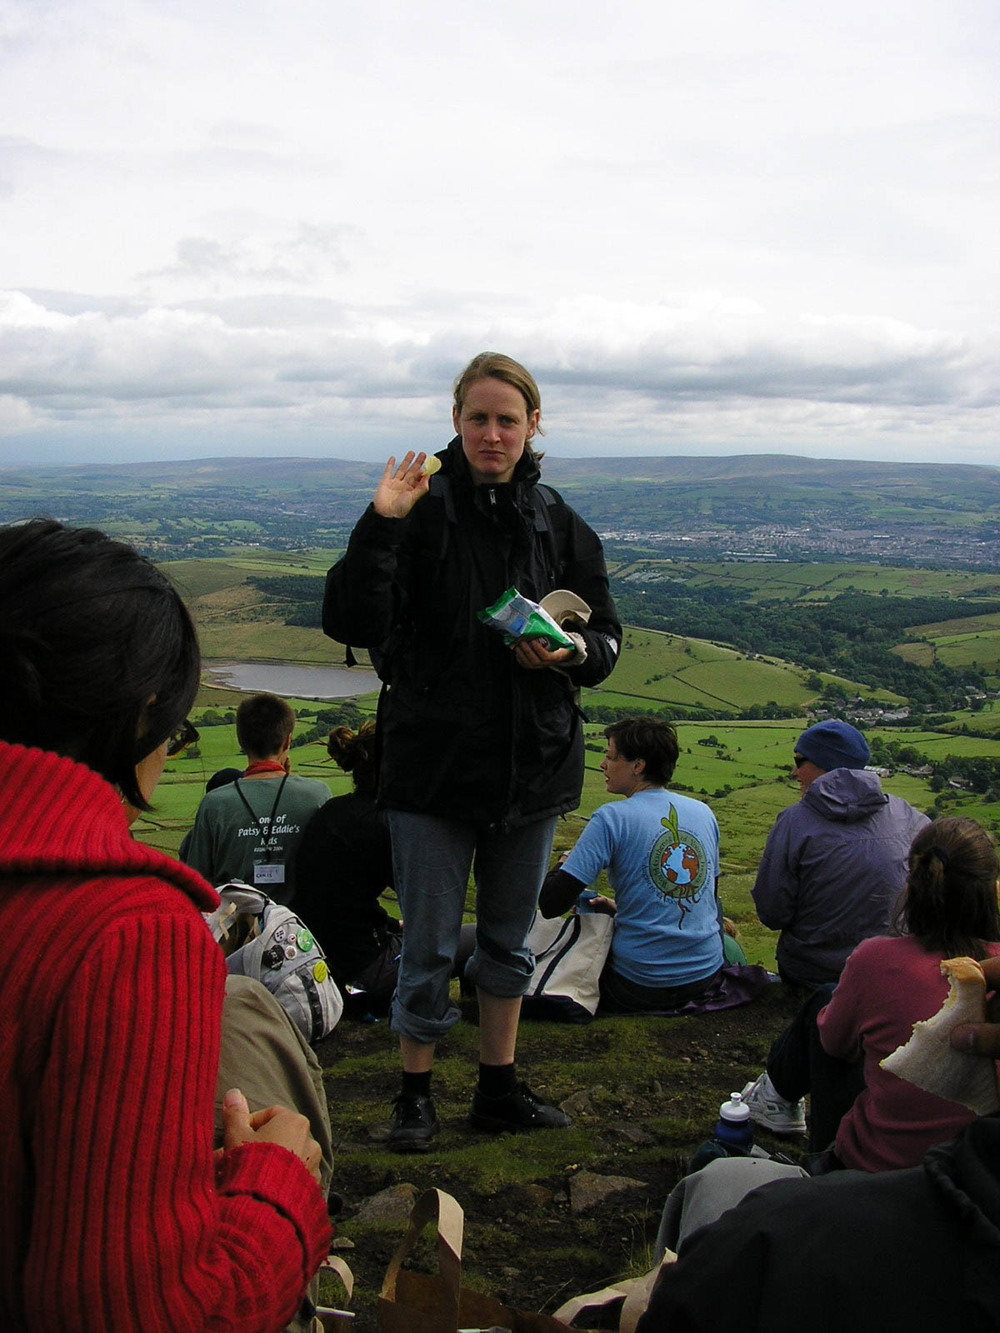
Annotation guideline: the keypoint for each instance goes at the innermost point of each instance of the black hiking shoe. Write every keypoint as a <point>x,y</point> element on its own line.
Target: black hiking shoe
<point>414,1126</point>
<point>519,1109</point>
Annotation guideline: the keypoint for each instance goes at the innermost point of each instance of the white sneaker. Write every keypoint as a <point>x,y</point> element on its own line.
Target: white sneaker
<point>772,1112</point>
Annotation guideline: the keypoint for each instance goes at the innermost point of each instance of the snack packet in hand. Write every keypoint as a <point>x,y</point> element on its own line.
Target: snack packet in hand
<point>517,617</point>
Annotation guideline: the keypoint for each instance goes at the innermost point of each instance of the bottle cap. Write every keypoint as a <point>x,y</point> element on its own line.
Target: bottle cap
<point>735,1110</point>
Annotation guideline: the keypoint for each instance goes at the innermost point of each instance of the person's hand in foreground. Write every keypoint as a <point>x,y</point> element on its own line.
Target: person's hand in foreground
<point>401,487</point>
<point>981,1038</point>
<point>275,1124</point>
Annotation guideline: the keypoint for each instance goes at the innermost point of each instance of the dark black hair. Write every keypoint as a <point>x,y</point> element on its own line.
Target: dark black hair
<point>950,900</point>
<point>98,656</point>
<point>354,752</point>
<point>263,723</point>
<point>650,739</point>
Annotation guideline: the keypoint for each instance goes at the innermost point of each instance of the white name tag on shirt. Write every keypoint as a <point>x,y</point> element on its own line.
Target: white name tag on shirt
<point>269,874</point>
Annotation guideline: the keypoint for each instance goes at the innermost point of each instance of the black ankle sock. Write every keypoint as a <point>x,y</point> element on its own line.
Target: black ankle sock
<point>497,1080</point>
<point>417,1085</point>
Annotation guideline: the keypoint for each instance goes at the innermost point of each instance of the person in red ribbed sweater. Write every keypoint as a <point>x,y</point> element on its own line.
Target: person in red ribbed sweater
<point>115,1213</point>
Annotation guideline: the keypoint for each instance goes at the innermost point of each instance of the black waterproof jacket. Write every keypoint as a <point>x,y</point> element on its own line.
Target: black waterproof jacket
<point>917,1250</point>
<point>464,732</point>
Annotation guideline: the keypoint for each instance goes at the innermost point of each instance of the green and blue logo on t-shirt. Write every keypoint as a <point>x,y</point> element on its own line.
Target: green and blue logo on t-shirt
<point>678,864</point>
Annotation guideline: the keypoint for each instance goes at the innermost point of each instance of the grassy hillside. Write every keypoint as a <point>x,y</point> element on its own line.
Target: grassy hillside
<point>237,621</point>
<point>974,641</point>
<point>662,669</point>
<point>767,581</point>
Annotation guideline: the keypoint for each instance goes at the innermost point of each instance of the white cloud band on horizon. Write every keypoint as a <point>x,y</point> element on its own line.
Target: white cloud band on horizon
<point>614,376</point>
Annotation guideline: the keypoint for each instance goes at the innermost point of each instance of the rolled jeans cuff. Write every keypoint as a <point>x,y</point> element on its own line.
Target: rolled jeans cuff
<point>424,1031</point>
<point>506,980</point>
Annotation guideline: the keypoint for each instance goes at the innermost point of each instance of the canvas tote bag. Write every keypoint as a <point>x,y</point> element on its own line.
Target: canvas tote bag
<point>569,955</point>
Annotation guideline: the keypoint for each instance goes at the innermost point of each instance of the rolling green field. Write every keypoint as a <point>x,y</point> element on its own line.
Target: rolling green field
<point>664,668</point>
<point>956,643</point>
<point>196,578</point>
<point>763,581</point>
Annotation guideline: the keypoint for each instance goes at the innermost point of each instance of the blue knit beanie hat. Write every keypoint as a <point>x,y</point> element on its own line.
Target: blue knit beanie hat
<point>833,744</point>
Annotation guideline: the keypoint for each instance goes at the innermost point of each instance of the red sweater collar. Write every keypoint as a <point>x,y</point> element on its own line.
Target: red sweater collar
<point>60,817</point>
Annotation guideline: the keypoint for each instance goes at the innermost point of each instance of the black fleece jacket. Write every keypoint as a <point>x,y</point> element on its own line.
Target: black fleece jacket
<point>464,731</point>
<point>916,1250</point>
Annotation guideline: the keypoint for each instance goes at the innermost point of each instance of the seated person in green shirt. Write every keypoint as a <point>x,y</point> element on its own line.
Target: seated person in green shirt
<point>250,829</point>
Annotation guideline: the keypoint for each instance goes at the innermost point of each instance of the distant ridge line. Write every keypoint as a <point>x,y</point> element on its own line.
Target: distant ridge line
<point>622,467</point>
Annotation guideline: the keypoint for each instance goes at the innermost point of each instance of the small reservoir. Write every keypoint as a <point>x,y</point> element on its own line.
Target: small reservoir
<point>292,680</point>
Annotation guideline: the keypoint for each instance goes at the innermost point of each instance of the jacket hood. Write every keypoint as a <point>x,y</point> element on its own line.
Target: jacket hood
<point>60,817</point>
<point>846,794</point>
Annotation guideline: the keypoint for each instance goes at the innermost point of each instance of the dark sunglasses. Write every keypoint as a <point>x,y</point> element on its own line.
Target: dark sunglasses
<point>798,760</point>
<point>180,738</point>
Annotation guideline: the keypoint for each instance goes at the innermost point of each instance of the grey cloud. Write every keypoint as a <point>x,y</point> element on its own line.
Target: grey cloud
<point>938,377</point>
<point>298,257</point>
<point>83,303</point>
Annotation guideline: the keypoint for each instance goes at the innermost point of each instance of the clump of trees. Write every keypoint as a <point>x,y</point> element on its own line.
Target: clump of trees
<point>300,596</point>
<point>346,714</point>
<point>976,773</point>
<point>851,634</point>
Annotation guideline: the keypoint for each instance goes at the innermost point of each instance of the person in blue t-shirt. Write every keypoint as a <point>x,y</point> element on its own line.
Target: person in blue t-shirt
<point>661,852</point>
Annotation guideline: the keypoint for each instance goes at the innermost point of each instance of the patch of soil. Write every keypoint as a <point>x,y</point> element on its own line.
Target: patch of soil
<point>638,1116</point>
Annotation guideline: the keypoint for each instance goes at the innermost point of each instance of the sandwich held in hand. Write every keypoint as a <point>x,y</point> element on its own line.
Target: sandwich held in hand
<point>928,1060</point>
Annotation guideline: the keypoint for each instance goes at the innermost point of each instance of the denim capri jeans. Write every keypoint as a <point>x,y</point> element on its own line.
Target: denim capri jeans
<point>432,858</point>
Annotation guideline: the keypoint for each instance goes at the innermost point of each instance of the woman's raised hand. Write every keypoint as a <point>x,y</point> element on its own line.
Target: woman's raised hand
<point>401,487</point>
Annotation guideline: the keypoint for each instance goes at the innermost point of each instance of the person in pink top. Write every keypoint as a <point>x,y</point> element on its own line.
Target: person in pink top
<point>948,909</point>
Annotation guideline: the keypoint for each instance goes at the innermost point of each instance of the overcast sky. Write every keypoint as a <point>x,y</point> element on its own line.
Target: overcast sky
<point>706,227</point>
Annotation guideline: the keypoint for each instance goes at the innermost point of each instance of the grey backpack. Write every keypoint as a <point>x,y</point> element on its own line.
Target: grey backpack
<point>268,942</point>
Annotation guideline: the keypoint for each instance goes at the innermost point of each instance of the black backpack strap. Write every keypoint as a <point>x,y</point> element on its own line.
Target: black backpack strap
<point>547,504</point>
<point>440,487</point>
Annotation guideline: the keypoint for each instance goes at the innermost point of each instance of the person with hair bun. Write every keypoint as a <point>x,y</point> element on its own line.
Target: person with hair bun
<point>874,1120</point>
<point>342,867</point>
<point>115,1210</point>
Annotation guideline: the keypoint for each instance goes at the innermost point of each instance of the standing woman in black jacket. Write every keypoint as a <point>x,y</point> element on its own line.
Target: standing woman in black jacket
<point>481,744</point>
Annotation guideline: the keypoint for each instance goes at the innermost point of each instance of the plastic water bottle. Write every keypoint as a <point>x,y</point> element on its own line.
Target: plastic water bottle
<point>733,1127</point>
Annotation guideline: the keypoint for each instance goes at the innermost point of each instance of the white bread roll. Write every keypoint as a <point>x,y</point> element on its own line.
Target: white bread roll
<point>928,1060</point>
